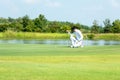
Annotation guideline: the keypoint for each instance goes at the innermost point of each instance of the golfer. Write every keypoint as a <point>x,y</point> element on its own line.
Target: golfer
<point>76,37</point>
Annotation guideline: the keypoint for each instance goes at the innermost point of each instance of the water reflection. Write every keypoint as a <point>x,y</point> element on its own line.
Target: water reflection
<point>102,42</point>
<point>60,42</point>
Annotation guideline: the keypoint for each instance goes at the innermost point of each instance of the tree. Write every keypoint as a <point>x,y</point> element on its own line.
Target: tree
<point>63,28</point>
<point>3,20</point>
<point>78,25</point>
<point>101,29</point>
<point>85,29</point>
<point>25,22</point>
<point>10,20</point>
<point>3,27</point>
<point>16,26</point>
<point>116,26</point>
<point>20,20</point>
<point>107,26</point>
<point>31,26</point>
<point>41,22</point>
<point>54,26</point>
<point>95,27</point>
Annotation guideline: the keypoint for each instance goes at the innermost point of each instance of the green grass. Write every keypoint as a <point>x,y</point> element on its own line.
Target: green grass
<point>53,62</point>
<point>108,36</point>
<point>35,35</point>
<point>32,35</point>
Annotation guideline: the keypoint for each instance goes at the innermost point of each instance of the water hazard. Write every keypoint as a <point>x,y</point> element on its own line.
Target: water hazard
<point>59,42</point>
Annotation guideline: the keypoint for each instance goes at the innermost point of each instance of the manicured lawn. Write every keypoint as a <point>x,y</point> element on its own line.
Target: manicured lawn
<point>53,62</point>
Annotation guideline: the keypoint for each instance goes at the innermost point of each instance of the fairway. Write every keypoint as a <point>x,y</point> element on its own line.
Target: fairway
<point>55,62</point>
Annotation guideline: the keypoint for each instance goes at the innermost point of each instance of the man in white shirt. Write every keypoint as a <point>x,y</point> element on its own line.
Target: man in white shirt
<point>76,37</point>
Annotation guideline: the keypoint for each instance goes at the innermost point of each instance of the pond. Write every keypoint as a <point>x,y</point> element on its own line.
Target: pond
<point>59,42</point>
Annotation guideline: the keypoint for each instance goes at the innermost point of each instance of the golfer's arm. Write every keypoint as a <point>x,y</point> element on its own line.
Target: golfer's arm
<point>81,38</point>
<point>70,34</point>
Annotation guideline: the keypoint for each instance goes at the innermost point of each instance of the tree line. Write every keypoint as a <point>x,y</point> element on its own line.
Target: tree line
<point>108,27</point>
<point>41,24</point>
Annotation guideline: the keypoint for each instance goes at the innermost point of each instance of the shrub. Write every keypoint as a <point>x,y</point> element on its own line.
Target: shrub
<point>90,36</point>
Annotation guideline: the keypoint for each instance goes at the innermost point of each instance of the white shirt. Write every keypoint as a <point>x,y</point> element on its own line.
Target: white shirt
<point>78,34</point>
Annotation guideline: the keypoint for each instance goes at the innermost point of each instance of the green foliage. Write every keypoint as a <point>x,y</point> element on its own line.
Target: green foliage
<point>3,27</point>
<point>64,28</point>
<point>41,24</point>
<point>116,26</point>
<point>54,27</point>
<point>58,27</point>
<point>90,36</point>
<point>25,22</point>
<point>95,27</point>
<point>85,29</point>
<point>3,20</point>
<point>16,26</point>
<point>10,20</point>
<point>78,25</point>
<point>107,26</point>
<point>101,29</point>
<point>31,26</point>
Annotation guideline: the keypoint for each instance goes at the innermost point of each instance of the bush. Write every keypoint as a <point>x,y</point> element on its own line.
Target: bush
<point>3,27</point>
<point>90,36</point>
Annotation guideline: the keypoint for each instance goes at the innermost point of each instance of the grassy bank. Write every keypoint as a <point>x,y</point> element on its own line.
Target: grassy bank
<point>108,36</point>
<point>52,62</point>
<point>30,35</point>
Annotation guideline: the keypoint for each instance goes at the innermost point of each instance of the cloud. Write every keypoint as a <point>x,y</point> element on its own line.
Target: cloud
<point>48,3</point>
<point>115,3</point>
<point>51,3</point>
<point>31,1</point>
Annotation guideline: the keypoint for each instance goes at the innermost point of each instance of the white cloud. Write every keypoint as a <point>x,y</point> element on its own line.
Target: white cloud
<point>31,1</point>
<point>115,3</point>
<point>48,3</point>
<point>51,3</point>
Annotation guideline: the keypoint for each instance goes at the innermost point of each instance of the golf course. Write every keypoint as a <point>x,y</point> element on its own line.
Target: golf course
<point>57,62</point>
<point>60,40</point>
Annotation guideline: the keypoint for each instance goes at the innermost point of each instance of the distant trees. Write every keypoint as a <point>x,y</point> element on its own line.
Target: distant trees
<point>3,20</point>
<point>4,24</point>
<point>116,26</point>
<point>25,22</point>
<point>58,27</point>
<point>107,26</point>
<point>3,27</point>
<point>95,27</point>
<point>41,24</point>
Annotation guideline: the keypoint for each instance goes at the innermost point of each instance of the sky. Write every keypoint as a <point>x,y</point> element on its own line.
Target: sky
<point>77,11</point>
